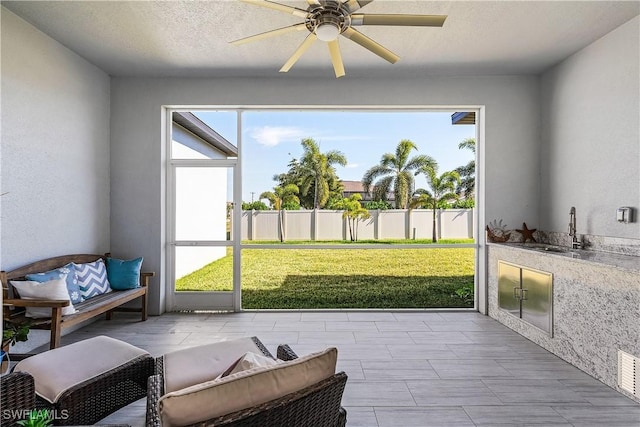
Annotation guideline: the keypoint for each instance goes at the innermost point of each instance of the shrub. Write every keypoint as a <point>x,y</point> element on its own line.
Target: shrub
<point>377,204</point>
<point>255,206</point>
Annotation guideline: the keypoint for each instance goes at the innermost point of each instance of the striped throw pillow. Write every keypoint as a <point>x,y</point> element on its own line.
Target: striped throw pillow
<point>92,279</point>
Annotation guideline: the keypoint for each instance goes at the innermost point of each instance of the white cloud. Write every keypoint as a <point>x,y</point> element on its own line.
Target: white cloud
<point>271,136</point>
<point>352,165</point>
<point>345,138</point>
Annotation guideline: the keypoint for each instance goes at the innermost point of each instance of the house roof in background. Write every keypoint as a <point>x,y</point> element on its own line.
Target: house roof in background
<point>463,118</point>
<point>191,38</point>
<point>352,187</point>
<point>199,128</point>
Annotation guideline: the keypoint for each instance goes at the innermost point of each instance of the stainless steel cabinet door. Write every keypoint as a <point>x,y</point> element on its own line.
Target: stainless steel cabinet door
<point>509,288</point>
<point>537,297</point>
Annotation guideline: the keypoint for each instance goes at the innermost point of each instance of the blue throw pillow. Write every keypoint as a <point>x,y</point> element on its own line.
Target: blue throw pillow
<point>124,274</point>
<point>73,287</point>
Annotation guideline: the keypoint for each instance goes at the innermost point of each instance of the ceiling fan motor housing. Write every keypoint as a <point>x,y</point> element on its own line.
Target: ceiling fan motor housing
<point>328,12</point>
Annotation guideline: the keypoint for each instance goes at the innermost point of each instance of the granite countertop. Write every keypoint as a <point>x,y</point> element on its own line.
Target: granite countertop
<point>625,262</point>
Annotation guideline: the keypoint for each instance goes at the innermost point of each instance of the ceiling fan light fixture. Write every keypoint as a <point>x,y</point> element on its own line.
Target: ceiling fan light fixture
<point>327,31</point>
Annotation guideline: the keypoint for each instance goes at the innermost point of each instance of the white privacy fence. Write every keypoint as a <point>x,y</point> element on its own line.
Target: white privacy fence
<point>383,224</point>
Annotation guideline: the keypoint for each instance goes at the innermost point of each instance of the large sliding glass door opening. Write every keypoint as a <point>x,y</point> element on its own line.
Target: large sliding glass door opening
<point>321,209</point>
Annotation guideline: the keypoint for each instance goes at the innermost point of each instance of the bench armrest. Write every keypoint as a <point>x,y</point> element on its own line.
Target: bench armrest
<point>144,278</point>
<point>52,303</point>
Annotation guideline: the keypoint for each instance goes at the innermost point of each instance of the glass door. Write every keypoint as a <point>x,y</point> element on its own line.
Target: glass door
<point>202,171</point>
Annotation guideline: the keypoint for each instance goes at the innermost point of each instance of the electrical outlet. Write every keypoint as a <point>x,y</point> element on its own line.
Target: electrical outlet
<point>624,214</point>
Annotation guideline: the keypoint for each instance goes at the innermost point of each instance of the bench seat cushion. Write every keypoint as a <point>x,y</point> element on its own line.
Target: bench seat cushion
<point>58,370</point>
<point>245,389</point>
<point>99,301</point>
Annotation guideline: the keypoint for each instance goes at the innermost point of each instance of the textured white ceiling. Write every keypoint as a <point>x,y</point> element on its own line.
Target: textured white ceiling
<point>190,38</point>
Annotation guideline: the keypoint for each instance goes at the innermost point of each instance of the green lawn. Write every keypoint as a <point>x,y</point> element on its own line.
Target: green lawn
<point>359,242</point>
<point>328,278</point>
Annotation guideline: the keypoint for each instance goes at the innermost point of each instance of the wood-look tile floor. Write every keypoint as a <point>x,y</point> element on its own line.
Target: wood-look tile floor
<point>405,368</point>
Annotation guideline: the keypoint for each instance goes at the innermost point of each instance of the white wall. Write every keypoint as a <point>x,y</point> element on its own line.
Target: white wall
<point>55,148</point>
<point>138,156</point>
<point>590,107</point>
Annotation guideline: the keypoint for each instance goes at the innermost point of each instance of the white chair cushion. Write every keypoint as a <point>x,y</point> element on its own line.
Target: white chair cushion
<point>245,389</point>
<point>56,371</point>
<point>195,365</point>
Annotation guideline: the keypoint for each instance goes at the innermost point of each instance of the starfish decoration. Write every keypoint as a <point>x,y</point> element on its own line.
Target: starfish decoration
<point>526,233</point>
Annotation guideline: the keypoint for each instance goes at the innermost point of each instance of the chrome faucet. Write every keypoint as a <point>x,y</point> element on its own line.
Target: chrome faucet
<point>575,243</point>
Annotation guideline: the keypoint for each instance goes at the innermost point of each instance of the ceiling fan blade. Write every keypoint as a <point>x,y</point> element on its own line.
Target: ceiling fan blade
<point>280,7</point>
<point>298,53</point>
<point>403,20</point>
<point>336,58</point>
<point>373,46</point>
<point>353,5</point>
<point>313,2</point>
<point>271,33</point>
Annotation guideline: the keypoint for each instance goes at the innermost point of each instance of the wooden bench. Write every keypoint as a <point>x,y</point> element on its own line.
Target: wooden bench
<point>14,307</point>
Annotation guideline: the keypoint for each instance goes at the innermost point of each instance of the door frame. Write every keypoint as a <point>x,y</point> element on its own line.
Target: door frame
<point>200,300</point>
<point>481,259</point>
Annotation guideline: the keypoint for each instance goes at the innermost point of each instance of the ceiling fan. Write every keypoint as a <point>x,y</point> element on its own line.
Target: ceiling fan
<point>327,19</point>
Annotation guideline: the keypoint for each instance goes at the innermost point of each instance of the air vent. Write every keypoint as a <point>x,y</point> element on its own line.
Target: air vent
<point>628,367</point>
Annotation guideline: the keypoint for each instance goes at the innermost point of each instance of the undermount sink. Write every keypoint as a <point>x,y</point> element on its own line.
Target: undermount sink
<point>551,249</point>
<point>554,249</point>
<point>545,247</point>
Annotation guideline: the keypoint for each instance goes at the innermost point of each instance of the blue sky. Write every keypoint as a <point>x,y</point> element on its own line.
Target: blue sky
<point>271,138</point>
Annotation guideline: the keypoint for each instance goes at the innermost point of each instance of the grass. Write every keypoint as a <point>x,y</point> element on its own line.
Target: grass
<point>328,278</point>
<point>359,242</point>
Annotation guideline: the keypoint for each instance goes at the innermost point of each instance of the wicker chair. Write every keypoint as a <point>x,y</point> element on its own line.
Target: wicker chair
<point>17,397</point>
<point>315,406</point>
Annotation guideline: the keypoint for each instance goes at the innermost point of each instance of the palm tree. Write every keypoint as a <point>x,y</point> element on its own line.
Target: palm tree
<point>279,198</point>
<point>292,176</point>
<point>442,189</point>
<point>396,172</point>
<point>353,213</point>
<point>467,186</point>
<point>317,171</point>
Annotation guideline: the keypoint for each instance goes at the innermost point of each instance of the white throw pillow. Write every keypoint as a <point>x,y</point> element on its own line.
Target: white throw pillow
<point>53,290</point>
<point>195,365</point>
<point>250,360</point>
